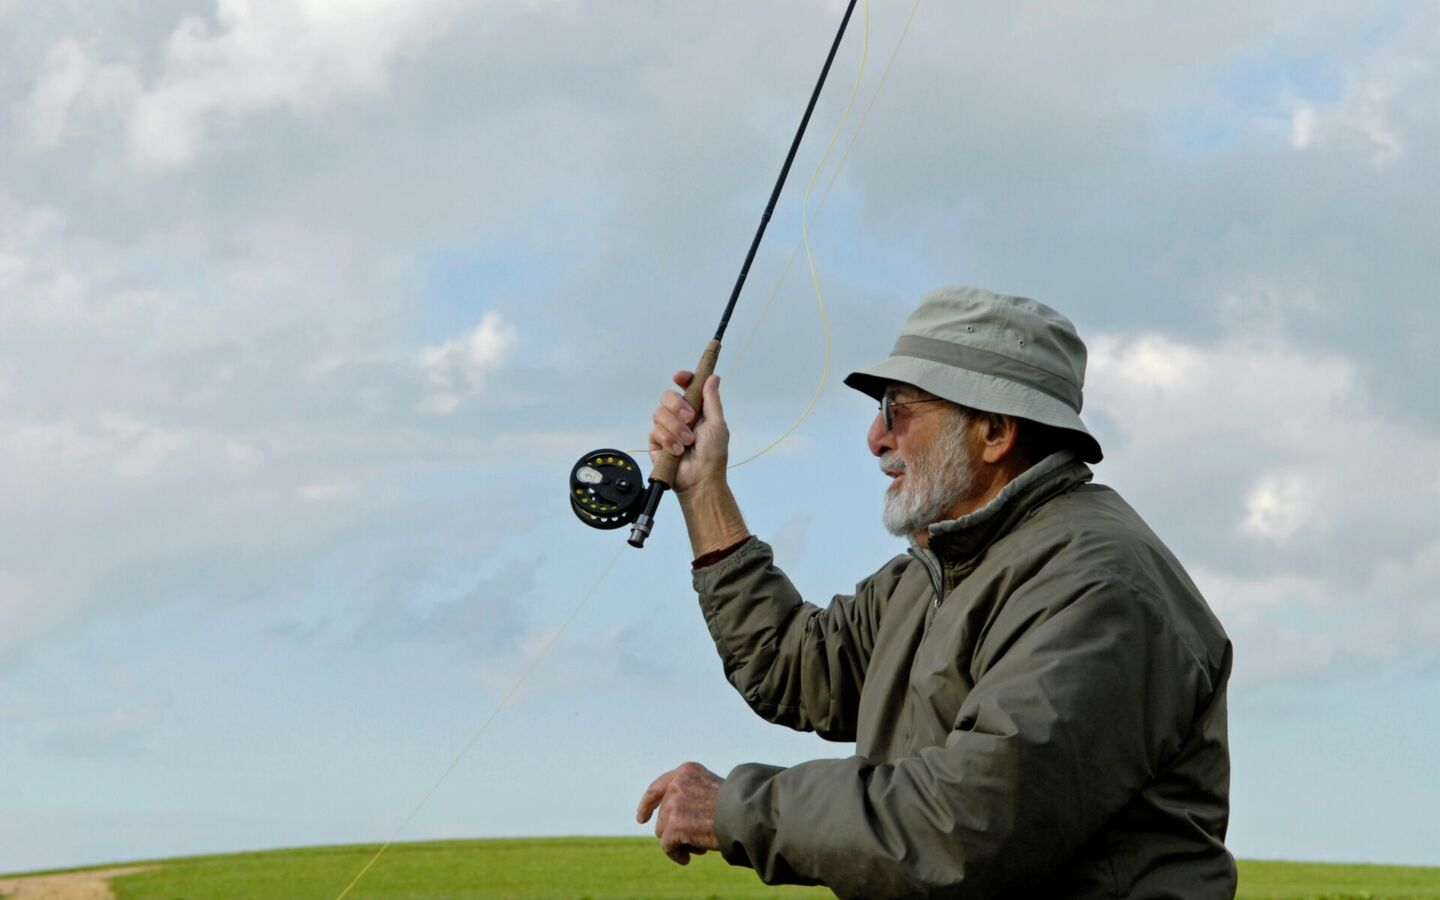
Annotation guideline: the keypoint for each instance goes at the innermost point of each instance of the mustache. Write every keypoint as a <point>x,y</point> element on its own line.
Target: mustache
<point>893,462</point>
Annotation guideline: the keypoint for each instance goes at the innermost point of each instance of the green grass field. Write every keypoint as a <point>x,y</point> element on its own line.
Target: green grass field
<point>597,868</point>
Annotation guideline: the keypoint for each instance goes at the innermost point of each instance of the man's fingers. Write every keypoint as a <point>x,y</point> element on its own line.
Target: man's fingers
<point>652,796</point>
<point>676,849</point>
<point>667,420</point>
<point>684,824</point>
<point>662,821</point>
<point>677,405</point>
<point>684,377</point>
<point>660,439</point>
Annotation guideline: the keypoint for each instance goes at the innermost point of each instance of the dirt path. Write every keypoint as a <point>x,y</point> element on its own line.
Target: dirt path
<point>93,885</point>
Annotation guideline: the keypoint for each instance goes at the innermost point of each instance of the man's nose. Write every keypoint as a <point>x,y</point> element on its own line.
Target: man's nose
<point>879,439</point>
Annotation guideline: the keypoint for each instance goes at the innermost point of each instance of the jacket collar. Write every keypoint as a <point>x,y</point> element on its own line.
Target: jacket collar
<point>958,541</point>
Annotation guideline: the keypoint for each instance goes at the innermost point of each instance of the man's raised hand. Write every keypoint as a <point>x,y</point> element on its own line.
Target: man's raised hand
<point>703,446</point>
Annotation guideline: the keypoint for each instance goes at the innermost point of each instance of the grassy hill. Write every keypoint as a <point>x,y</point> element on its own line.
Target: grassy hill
<point>610,869</point>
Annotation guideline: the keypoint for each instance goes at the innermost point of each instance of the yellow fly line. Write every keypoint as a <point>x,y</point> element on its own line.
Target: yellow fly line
<point>825,326</point>
<point>829,186</point>
<point>805,234</point>
<point>485,726</point>
<point>804,242</point>
<point>810,257</point>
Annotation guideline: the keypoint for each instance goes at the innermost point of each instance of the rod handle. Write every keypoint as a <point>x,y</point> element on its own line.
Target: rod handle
<point>665,469</point>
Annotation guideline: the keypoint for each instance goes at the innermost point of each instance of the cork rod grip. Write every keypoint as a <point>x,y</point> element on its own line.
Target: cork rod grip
<point>665,469</point>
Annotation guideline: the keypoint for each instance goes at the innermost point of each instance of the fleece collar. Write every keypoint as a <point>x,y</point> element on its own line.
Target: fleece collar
<point>957,541</point>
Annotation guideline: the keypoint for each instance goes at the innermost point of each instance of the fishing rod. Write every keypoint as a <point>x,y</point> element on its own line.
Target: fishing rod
<point>605,489</point>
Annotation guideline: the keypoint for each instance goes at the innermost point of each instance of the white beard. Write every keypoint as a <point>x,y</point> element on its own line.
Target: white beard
<point>934,480</point>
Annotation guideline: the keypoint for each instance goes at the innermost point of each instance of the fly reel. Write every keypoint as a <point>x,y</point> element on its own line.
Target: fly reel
<point>607,489</point>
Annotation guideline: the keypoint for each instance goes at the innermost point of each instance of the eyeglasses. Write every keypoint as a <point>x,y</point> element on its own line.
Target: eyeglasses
<point>888,405</point>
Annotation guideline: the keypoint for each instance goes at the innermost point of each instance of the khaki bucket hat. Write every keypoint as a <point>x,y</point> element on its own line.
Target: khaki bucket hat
<point>991,352</point>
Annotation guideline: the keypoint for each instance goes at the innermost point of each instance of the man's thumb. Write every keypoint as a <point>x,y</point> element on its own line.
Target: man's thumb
<point>713,409</point>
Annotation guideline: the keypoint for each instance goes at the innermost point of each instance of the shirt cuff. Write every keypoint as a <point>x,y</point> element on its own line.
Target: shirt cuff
<point>714,556</point>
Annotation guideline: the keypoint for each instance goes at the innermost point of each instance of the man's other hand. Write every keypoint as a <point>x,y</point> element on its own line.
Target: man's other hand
<point>703,445</point>
<point>686,798</point>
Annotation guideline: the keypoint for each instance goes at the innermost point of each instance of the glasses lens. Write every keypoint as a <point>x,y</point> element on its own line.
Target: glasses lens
<point>886,411</point>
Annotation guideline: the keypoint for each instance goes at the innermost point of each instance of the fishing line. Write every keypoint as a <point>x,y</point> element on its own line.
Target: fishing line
<point>485,726</point>
<point>803,244</point>
<point>805,237</point>
<point>834,177</point>
<point>605,572</point>
<point>810,257</point>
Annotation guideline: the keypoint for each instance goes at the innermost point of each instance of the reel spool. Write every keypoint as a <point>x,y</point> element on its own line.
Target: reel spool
<point>607,489</point>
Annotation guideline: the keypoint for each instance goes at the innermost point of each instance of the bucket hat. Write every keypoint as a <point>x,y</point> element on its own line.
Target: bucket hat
<point>991,352</point>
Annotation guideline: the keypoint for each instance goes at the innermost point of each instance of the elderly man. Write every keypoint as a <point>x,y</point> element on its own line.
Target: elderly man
<point>1036,690</point>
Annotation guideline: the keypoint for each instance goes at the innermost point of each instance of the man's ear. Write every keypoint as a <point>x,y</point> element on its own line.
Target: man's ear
<point>998,437</point>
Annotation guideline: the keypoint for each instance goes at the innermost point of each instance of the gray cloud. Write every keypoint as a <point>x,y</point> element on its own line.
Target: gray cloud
<point>227,336</point>
<point>1258,460</point>
<point>485,619</point>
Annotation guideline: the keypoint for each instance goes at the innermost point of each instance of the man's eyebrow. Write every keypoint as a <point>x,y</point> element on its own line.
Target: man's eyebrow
<point>905,393</point>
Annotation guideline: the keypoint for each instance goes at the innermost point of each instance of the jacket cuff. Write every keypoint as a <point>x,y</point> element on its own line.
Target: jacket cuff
<point>737,827</point>
<point>705,560</point>
<point>750,550</point>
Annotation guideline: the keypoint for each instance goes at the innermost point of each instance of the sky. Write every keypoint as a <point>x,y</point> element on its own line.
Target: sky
<point>306,310</point>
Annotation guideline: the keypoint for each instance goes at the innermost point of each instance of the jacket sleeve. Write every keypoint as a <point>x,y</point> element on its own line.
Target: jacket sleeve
<point>1083,705</point>
<point>795,664</point>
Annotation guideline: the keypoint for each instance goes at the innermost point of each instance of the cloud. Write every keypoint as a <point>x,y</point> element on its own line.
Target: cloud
<point>458,367</point>
<point>1270,620</point>
<point>114,712</point>
<point>22,611</point>
<point>117,730</point>
<point>195,428</point>
<point>254,334</point>
<point>1381,106</point>
<point>252,57</point>
<point>485,618</point>
<point>327,491</point>
<point>223,385</point>
<point>1309,515</point>
<point>74,83</point>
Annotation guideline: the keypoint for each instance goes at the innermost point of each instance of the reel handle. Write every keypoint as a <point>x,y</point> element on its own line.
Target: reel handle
<point>663,475</point>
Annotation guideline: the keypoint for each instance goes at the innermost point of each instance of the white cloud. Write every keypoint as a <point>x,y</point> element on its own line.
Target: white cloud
<point>1287,490</point>
<point>1247,391</point>
<point>327,491</point>
<point>458,367</point>
<point>255,56</point>
<point>121,445</point>
<point>1379,106</point>
<point>1280,504</point>
<point>190,367</point>
<point>192,426</point>
<point>73,79</point>
<point>1270,620</point>
<point>31,604</point>
<point>1303,124</point>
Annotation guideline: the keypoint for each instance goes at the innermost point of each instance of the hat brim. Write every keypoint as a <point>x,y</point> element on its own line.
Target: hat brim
<point>977,390</point>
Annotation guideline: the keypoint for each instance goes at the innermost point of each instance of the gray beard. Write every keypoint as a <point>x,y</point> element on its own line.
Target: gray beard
<point>934,480</point>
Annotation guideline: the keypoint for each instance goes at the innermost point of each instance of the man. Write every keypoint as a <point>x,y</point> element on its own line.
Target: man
<point>1036,690</point>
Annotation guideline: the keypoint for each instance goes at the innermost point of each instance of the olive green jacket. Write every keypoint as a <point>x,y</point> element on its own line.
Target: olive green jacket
<point>1037,703</point>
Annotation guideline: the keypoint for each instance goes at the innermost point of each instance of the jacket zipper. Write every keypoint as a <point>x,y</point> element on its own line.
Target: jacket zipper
<point>933,569</point>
